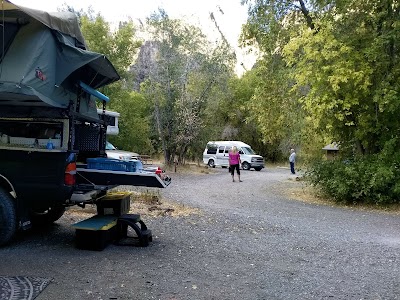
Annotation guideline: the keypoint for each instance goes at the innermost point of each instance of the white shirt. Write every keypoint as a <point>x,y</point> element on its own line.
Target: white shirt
<point>292,157</point>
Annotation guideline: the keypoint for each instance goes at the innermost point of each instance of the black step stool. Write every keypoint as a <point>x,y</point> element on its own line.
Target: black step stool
<point>144,236</point>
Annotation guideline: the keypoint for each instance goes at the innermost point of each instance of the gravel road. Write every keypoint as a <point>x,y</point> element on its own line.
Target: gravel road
<point>248,241</point>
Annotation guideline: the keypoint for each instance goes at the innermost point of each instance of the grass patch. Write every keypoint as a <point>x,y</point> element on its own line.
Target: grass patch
<point>304,192</point>
<point>146,203</point>
<point>149,203</point>
<point>190,168</point>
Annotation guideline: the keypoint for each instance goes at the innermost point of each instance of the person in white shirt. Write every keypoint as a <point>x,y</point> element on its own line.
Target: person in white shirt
<point>292,159</point>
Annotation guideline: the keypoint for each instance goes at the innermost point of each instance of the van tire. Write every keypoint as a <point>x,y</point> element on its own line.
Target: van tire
<point>211,163</point>
<point>246,166</point>
<point>8,217</point>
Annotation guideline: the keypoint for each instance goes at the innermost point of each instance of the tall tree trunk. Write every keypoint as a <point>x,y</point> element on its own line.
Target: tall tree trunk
<point>159,129</point>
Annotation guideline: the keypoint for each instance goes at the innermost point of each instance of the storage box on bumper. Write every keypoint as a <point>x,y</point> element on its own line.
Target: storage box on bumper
<point>114,203</point>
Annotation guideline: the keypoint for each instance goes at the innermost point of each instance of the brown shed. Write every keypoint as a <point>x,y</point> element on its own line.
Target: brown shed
<point>331,150</point>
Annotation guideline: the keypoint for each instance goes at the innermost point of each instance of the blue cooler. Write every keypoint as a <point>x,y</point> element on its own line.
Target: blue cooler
<point>138,165</point>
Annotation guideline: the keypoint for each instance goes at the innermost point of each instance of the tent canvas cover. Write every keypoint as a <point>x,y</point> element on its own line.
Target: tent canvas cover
<point>43,59</point>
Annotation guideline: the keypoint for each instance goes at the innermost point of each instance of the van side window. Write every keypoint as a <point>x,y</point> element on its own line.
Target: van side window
<point>221,149</point>
<point>227,150</point>
<point>212,151</point>
<point>241,151</point>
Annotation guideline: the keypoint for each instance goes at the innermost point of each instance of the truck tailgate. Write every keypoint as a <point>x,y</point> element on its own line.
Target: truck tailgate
<point>108,177</point>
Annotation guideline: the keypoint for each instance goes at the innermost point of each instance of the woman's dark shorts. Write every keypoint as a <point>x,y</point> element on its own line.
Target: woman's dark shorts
<point>233,167</point>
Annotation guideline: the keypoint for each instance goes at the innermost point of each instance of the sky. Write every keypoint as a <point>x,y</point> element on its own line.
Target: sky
<point>230,16</point>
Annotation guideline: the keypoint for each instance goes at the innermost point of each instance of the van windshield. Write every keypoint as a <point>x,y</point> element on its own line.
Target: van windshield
<point>248,150</point>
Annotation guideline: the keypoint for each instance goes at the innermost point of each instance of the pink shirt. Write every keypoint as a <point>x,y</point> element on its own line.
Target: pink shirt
<point>234,158</point>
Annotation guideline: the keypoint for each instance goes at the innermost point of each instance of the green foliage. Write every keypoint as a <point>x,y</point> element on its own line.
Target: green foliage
<point>120,46</point>
<point>274,108</point>
<point>371,179</point>
<point>134,124</point>
<point>182,81</point>
<point>350,66</point>
<point>278,114</point>
<point>336,64</point>
<point>228,116</point>
<point>264,27</point>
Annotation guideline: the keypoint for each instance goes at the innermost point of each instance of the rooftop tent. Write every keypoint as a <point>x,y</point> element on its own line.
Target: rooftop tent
<point>44,58</point>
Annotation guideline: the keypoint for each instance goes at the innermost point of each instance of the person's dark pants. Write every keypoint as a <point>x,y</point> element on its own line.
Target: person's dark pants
<point>292,167</point>
<point>233,167</point>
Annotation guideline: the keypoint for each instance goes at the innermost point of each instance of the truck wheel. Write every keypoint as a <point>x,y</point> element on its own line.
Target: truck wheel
<point>246,166</point>
<point>48,216</point>
<point>211,163</point>
<point>8,217</point>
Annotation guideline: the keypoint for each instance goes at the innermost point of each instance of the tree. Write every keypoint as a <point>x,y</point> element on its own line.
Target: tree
<point>274,108</point>
<point>181,82</point>
<point>270,21</point>
<point>134,123</point>
<point>120,46</point>
<point>351,66</point>
<point>342,58</point>
<point>276,111</point>
<point>342,61</point>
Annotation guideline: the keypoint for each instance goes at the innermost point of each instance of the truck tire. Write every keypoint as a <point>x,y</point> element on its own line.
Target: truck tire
<point>8,217</point>
<point>48,216</point>
<point>211,163</point>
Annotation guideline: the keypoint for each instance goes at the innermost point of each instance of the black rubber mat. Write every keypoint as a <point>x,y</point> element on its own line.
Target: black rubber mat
<point>21,287</point>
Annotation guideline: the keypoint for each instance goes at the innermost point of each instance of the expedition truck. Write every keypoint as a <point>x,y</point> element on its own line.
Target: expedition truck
<point>50,132</point>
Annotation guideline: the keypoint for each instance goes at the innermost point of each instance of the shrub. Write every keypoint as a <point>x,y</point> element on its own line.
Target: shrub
<point>370,179</point>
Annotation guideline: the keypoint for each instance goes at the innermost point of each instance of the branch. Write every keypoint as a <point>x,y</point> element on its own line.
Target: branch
<point>306,14</point>
<point>212,17</point>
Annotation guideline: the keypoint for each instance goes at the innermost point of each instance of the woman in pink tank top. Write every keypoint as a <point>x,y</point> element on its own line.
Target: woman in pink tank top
<point>234,162</point>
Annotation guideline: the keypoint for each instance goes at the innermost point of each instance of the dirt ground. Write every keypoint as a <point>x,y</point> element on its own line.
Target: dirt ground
<point>263,238</point>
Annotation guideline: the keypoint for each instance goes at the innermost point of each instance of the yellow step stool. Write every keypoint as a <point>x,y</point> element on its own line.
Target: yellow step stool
<point>96,232</point>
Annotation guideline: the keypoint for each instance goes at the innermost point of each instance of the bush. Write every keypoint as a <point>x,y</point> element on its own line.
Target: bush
<point>372,179</point>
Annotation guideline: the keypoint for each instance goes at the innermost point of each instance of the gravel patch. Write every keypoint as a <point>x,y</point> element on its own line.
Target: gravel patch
<point>247,240</point>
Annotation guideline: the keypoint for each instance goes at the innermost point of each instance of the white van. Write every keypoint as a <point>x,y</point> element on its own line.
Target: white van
<point>216,153</point>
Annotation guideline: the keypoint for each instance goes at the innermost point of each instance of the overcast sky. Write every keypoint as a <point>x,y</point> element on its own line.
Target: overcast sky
<point>229,14</point>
